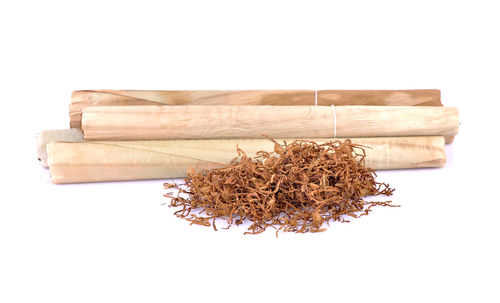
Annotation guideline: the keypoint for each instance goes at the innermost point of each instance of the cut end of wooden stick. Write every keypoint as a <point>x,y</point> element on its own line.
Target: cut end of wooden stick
<point>47,136</point>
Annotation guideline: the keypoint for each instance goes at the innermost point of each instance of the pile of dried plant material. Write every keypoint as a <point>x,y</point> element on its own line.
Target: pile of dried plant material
<point>300,187</point>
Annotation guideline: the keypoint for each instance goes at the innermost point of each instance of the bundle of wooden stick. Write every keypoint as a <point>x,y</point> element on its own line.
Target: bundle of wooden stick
<point>133,135</point>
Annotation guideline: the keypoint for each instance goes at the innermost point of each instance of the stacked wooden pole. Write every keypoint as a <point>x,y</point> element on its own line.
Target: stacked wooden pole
<point>131,135</point>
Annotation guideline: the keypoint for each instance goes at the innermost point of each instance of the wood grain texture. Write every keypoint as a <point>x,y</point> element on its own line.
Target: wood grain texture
<point>246,122</point>
<point>380,121</point>
<point>416,97</point>
<point>82,99</point>
<point>138,160</point>
<point>85,98</point>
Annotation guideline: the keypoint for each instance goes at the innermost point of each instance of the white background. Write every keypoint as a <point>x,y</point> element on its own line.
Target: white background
<point>115,242</point>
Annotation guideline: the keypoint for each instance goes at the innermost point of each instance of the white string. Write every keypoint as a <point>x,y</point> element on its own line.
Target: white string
<point>334,122</point>
<point>315,97</point>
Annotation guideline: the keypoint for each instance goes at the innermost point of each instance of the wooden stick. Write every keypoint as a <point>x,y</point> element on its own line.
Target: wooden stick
<point>85,98</point>
<point>136,160</point>
<point>245,122</point>
<point>417,97</point>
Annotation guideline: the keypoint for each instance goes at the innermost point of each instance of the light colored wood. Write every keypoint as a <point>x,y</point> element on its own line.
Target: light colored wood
<point>246,122</point>
<point>82,99</point>
<point>416,97</point>
<point>382,121</point>
<point>85,98</point>
<point>46,136</point>
<point>137,160</point>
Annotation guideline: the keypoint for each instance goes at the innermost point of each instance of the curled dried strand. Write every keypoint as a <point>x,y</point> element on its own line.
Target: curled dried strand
<point>299,187</point>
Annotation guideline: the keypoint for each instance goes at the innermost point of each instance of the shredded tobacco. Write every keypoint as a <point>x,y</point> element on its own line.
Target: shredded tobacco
<point>297,188</point>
